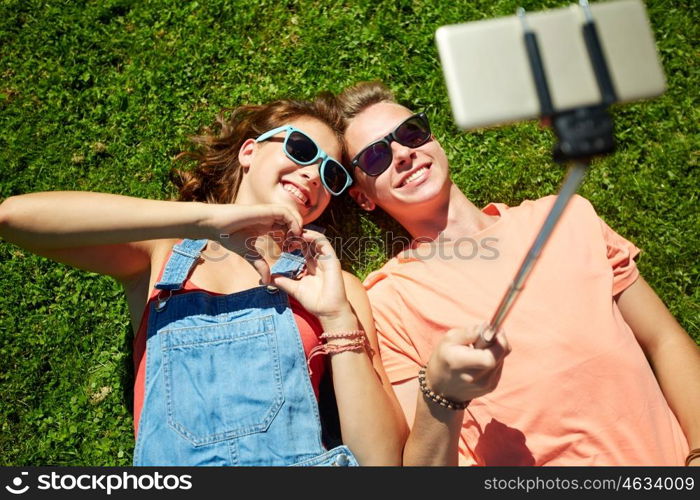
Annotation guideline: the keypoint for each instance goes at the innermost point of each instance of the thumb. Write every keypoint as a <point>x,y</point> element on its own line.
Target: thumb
<point>263,269</point>
<point>461,336</point>
<point>285,284</point>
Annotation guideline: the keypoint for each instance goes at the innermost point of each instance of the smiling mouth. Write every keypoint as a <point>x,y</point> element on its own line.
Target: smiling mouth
<point>418,174</point>
<point>296,193</point>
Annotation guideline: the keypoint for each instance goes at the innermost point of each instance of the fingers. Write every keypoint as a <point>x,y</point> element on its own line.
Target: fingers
<point>286,220</point>
<point>318,243</point>
<point>461,355</point>
<point>497,350</point>
<point>471,361</point>
<point>285,284</point>
<point>258,262</point>
<point>461,336</point>
<point>486,336</point>
<point>316,248</point>
<point>501,343</point>
<point>491,379</point>
<point>462,370</point>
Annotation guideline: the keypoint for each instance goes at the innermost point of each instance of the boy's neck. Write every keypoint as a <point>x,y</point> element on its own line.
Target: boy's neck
<point>451,218</point>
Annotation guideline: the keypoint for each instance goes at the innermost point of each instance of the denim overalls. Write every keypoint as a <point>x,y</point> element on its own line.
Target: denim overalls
<point>226,380</point>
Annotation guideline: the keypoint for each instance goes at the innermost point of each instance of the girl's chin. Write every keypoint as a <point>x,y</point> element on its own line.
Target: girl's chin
<point>311,216</point>
<point>288,200</point>
<point>308,214</point>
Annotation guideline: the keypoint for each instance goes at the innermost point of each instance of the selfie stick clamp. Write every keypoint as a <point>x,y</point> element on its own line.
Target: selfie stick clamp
<point>582,134</point>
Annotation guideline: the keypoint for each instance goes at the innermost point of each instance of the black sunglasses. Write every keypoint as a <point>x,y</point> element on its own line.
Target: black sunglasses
<point>376,158</point>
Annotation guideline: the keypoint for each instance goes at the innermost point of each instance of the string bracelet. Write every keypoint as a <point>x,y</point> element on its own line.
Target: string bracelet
<point>350,334</point>
<point>430,395</point>
<point>357,341</point>
<point>694,453</point>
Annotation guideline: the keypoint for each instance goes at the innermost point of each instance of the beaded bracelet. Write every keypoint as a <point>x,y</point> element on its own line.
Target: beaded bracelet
<point>438,398</point>
<point>694,453</point>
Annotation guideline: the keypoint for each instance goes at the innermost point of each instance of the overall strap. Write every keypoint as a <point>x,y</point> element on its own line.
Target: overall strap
<point>186,254</point>
<point>178,267</point>
<point>289,264</point>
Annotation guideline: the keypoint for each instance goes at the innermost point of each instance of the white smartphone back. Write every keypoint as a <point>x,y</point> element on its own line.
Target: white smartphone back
<point>488,75</point>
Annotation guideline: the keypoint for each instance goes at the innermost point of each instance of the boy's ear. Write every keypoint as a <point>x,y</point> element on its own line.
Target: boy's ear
<point>361,198</point>
<point>246,153</point>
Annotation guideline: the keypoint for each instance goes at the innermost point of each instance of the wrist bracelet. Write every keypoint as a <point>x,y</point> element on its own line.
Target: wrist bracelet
<point>350,334</point>
<point>357,341</point>
<point>438,398</point>
<point>694,453</point>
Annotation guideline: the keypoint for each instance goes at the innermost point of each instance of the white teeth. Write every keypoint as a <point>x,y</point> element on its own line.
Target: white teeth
<point>293,190</point>
<point>415,175</point>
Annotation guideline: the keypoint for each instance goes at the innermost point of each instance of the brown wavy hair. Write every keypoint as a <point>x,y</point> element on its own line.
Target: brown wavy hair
<point>216,176</point>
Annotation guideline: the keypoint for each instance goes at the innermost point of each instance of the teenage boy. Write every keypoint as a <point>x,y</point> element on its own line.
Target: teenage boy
<point>577,388</point>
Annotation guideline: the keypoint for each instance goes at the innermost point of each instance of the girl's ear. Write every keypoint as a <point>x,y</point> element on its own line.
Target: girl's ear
<point>246,153</point>
<point>361,198</point>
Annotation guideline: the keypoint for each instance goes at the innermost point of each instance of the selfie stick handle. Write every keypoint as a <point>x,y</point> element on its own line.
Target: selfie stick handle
<point>575,175</point>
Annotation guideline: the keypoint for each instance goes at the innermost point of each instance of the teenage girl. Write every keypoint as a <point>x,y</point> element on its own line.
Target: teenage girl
<point>228,325</point>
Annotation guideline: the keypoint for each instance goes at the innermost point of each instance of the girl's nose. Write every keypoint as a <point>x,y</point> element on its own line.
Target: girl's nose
<point>311,173</point>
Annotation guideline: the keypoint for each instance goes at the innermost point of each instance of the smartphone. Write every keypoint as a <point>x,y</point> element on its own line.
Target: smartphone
<point>488,75</point>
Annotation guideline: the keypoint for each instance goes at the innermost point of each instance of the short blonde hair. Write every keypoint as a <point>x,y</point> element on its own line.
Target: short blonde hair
<point>353,100</point>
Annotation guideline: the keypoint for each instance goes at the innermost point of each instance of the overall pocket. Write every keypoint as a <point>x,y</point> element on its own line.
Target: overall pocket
<point>341,456</point>
<point>221,380</point>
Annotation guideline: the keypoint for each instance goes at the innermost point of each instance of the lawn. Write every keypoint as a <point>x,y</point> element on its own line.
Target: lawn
<point>100,95</point>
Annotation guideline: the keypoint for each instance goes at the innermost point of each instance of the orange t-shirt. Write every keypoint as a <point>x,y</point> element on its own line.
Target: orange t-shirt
<point>576,388</point>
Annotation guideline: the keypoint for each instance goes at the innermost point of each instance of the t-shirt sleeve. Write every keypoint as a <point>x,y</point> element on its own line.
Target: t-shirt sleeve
<point>621,254</point>
<point>399,354</point>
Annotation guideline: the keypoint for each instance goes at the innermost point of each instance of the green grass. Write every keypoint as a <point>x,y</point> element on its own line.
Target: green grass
<point>99,95</point>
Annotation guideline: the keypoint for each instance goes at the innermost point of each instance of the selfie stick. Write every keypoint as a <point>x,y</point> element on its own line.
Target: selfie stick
<point>582,132</point>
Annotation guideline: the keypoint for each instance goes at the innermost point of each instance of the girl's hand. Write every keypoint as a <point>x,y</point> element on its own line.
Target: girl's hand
<point>237,228</point>
<point>321,289</point>
<point>460,371</point>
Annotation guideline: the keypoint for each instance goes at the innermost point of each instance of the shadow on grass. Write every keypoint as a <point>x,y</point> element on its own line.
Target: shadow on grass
<point>127,377</point>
